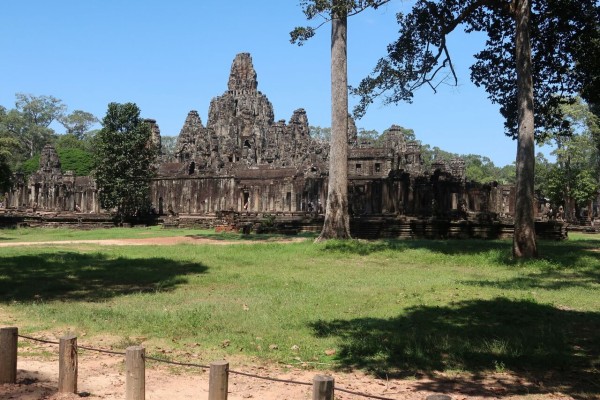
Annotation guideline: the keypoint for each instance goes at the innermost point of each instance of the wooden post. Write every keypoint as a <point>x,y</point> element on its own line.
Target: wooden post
<point>323,387</point>
<point>135,380</point>
<point>218,380</point>
<point>67,364</point>
<point>8,354</point>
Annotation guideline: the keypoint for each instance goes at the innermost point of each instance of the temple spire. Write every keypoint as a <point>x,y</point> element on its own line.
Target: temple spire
<point>243,75</point>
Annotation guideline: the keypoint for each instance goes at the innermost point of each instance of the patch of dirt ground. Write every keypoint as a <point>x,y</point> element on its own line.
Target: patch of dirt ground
<point>157,241</point>
<point>102,376</point>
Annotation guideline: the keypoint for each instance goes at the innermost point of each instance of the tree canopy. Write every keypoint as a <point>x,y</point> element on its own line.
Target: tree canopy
<point>562,33</point>
<point>78,123</point>
<point>27,128</point>
<point>123,161</point>
<point>574,180</point>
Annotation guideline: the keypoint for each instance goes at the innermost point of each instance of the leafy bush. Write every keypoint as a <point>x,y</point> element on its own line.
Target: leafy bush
<point>76,160</point>
<point>71,159</point>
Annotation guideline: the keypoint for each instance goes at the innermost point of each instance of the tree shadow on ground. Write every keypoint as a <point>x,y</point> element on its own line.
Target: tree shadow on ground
<point>559,349</point>
<point>261,237</point>
<point>88,277</point>
<point>563,254</point>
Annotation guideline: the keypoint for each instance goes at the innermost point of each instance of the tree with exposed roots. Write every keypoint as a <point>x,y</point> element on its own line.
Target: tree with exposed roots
<point>124,160</point>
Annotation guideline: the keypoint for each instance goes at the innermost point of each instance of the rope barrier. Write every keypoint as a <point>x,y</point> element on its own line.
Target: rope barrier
<point>37,340</point>
<point>266,378</point>
<point>119,353</point>
<point>177,363</point>
<point>78,346</point>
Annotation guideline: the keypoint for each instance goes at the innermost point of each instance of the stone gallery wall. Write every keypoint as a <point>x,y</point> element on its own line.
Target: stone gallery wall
<point>49,189</point>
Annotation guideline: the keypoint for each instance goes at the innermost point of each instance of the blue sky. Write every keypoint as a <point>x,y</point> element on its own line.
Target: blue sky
<point>171,57</point>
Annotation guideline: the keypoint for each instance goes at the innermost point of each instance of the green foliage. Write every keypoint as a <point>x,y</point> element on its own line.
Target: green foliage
<point>74,154</point>
<point>79,161</point>
<point>318,133</point>
<point>8,145</point>
<point>586,187</point>
<point>69,141</point>
<point>555,185</point>
<point>477,168</point>
<point>123,161</point>
<point>429,155</point>
<point>31,119</point>
<point>576,174</point>
<point>560,31</point>
<point>368,136</point>
<point>78,123</point>
<point>25,130</point>
<point>71,159</point>
<point>324,8</point>
<point>169,145</point>
<point>31,165</point>
<point>5,176</point>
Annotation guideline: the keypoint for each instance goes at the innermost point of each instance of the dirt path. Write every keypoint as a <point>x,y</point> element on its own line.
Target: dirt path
<point>159,241</point>
<point>102,376</point>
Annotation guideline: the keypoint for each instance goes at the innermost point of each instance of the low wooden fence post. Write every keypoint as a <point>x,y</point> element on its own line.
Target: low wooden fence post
<point>135,380</point>
<point>67,364</point>
<point>323,387</point>
<point>8,354</point>
<point>218,380</point>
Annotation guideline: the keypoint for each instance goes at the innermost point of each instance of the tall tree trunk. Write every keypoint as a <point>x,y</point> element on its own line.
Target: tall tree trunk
<point>337,219</point>
<point>524,244</point>
<point>569,201</point>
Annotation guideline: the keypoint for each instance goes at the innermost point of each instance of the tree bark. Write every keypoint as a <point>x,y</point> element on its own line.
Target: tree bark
<point>524,243</point>
<point>337,218</point>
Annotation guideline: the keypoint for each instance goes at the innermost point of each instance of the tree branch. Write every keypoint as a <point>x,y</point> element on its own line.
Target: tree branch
<point>300,34</point>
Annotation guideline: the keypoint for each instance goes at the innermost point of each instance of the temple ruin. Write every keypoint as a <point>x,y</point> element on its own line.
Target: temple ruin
<point>243,161</point>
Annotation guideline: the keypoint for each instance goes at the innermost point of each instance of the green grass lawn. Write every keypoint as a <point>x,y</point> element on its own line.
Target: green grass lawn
<point>389,307</point>
<point>52,234</point>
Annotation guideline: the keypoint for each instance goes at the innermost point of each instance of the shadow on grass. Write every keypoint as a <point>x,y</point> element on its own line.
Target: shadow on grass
<point>558,348</point>
<point>562,265</point>
<point>88,277</point>
<point>262,237</point>
<point>565,253</point>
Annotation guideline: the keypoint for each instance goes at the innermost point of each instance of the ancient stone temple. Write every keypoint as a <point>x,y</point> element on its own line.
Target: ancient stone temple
<point>245,161</point>
<point>49,189</point>
<point>242,159</point>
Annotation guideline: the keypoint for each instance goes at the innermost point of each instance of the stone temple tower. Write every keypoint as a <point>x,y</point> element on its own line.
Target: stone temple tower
<point>241,117</point>
<point>241,131</point>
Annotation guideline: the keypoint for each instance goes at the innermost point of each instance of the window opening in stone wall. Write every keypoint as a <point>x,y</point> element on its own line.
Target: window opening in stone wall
<point>192,168</point>
<point>246,200</point>
<point>358,167</point>
<point>377,167</point>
